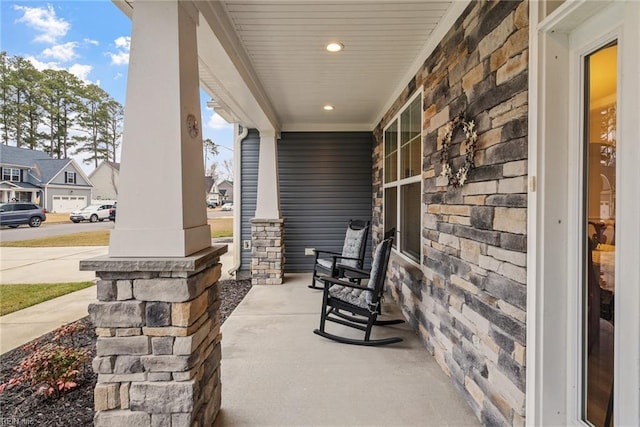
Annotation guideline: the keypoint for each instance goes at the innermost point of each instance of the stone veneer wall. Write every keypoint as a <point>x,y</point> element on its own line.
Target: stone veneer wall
<point>267,251</point>
<point>467,299</point>
<point>158,349</point>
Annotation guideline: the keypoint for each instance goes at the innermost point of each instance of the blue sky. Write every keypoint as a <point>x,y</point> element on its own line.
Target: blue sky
<point>90,39</point>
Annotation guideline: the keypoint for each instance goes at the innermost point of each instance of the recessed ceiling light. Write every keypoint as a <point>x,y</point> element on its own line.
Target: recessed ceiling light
<point>328,107</point>
<point>335,47</point>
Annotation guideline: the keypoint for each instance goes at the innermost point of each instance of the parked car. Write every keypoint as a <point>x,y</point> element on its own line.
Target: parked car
<point>91,213</point>
<point>227,207</point>
<point>15,214</point>
<point>212,203</point>
<point>112,212</point>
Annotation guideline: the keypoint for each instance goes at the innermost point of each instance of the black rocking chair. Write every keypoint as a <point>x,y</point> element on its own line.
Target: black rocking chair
<point>362,302</point>
<point>353,250</point>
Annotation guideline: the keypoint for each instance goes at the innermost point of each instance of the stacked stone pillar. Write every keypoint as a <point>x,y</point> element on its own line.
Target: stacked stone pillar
<point>158,347</point>
<point>267,254</point>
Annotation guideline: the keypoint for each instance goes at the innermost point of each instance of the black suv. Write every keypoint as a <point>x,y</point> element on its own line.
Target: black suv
<point>15,214</point>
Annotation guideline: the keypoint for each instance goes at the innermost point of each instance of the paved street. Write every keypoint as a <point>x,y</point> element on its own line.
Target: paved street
<point>24,232</point>
<point>217,213</point>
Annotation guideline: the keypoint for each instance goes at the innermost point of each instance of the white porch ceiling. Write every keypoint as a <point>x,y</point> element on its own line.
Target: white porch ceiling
<point>265,60</point>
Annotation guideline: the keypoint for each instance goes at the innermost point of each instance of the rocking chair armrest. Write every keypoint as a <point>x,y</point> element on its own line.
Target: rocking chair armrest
<point>318,251</point>
<point>347,257</point>
<point>329,281</point>
<point>358,272</point>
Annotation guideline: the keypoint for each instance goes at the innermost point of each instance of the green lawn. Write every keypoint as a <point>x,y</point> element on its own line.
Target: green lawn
<point>85,238</point>
<point>17,297</point>
<point>220,227</point>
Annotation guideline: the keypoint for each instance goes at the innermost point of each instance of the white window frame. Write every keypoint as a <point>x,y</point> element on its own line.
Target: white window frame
<point>11,173</point>
<point>400,182</point>
<point>68,175</point>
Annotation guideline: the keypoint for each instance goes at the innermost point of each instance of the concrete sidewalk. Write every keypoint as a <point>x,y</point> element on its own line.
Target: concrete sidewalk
<point>46,265</point>
<point>53,265</point>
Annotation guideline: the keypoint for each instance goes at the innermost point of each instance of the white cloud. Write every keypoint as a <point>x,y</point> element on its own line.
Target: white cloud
<point>121,56</point>
<point>123,42</point>
<point>81,71</point>
<point>93,42</point>
<point>44,21</point>
<point>61,52</point>
<point>217,122</point>
<point>118,76</point>
<point>40,65</point>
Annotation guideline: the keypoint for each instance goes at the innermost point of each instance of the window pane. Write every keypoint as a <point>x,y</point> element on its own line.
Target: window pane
<point>391,167</point>
<point>405,125</point>
<point>599,254</point>
<point>391,139</point>
<point>405,166</point>
<point>11,174</point>
<point>391,209</point>
<point>391,153</point>
<point>410,223</point>
<point>411,124</point>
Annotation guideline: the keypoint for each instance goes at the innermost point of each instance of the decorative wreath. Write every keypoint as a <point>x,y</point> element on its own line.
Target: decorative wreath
<point>459,177</point>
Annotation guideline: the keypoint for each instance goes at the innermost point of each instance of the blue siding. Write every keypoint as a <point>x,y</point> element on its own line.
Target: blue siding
<point>250,148</point>
<point>325,180</point>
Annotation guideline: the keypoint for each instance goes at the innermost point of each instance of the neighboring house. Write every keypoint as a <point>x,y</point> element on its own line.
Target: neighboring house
<point>225,189</point>
<point>58,185</point>
<point>105,179</point>
<point>221,192</point>
<point>519,272</point>
<point>211,189</point>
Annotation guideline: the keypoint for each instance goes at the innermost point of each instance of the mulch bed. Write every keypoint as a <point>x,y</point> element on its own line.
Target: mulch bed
<point>21,406</point>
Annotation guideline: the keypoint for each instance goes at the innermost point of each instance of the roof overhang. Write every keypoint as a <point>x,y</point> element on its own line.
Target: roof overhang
<point>264,64</point>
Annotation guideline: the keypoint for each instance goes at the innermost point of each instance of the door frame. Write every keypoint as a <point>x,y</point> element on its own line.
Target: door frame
<point>558,43</point>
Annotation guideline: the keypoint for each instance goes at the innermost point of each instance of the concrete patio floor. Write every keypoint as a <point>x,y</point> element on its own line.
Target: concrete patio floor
<point>276,372</point>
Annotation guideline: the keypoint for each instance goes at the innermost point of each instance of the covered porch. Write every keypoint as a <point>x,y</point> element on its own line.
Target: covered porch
<point>157,290</point>
<point>275,371</point>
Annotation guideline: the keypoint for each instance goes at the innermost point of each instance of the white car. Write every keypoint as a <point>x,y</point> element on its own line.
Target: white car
<point>92,213</point>
<point>227,207</point>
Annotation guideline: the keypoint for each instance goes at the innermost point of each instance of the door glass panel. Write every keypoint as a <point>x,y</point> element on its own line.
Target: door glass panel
<point>599,254</point>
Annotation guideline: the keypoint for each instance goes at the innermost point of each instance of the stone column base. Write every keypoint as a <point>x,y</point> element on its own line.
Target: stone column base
<point>267,253</point>
<point>158,348</point>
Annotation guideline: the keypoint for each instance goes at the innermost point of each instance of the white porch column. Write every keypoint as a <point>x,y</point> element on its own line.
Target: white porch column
<point>267,228</point>
<point>268,198</point>
<point>161,207</point>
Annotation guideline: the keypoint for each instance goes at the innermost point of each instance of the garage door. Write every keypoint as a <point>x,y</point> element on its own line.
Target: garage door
<point>68,203</point>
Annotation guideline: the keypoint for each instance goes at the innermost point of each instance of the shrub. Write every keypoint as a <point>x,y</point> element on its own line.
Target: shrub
<point>52,368</point>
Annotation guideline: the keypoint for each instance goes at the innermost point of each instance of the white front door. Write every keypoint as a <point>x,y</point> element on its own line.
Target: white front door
<point>584,322</point>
